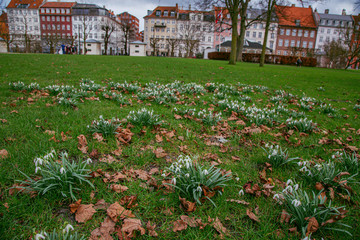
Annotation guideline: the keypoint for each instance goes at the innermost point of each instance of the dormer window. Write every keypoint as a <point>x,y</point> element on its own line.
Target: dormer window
<point>172,14</point>
<point>158,13</point>
<point>166,13</point>
<point>297,23</point>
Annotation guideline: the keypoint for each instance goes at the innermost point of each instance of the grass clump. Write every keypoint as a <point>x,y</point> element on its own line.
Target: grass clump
<point>62,176</point>
<point>57,234</point>
<point>276,156</point>
<point>195,182</point>
<point>103,126</point>
<point>143,117</point>
<point>301,125</point>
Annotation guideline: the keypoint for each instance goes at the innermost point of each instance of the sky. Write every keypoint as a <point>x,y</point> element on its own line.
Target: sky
<point>139,8</point>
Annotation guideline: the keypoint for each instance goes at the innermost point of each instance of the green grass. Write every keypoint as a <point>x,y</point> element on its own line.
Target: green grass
<point>24,138</point>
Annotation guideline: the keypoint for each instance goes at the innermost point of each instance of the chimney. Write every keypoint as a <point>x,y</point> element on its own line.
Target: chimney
<point>176,5</point>
<point>293,5</point>
<point>189,6</point>
<point>326,11</point>
<point>343,12</point>
<point>309,6</point>
<point>315,10</point>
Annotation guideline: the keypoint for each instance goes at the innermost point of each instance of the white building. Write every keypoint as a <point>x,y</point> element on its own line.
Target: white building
<point>138,49</point>
<point>24,24</point>
<point>332,27</point>
<point>89,22</point>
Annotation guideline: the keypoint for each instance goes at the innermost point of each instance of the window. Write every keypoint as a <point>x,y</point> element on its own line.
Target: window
<point>285,53</point>
<point>271,44</point>
<point>58,18</point>
<point>322,30</point>
<point>67,11</point>
<point>286,43</point>
<point>255,25</point>
<point>173,30</point>
<point>57,10</point>
<point>304,44</point>
<point>136,51</point>
<point>48,18</point>
<point>260,34</point>
<point>173,22</point>
<point>321,39</point>
<point>47,10</point>
<point>280,42</point>
<point>53,18</point>
<point>44,27</point>
<point>90,35</point>
<point>282,31</point>
<point>203,38</point>
<point>49,27</point>
<point>298,44</point>
<point>43,18</point>
<point>306,33</point>
<point>328,31</point>
<point>53,27</point>
<point>63,19</point>
<point>167,29</point>
<point>279,52</point>
<point>95,35</point>
<point>300,33</point>
<point>42,10</point>
<point>62,11</point>
<point>158,13</point>
<point>310,44</point>
<point>294,32</point>
<point>52,10</point>
<point>58,27</point>
<point>172,14</point>
<point>254,34</point>
<point>165,13</point>
<point>287,32</point>
<point>247,33</point>
<point>209,39</point>
<point>63,27</point>
<point>292,44</point>
<point>272,35</point>
<point>68,27</point>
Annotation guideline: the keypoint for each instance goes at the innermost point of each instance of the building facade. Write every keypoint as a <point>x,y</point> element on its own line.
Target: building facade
<point>297,31</point>
<point>127,18</point>
<point>56,25</point>
<point>24,25</point>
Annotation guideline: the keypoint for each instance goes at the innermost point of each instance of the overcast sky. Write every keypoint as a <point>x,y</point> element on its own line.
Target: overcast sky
<point>139,7</point>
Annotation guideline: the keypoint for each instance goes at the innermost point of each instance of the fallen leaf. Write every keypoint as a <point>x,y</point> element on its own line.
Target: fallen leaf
<point>151,229</point>
<point>179,225</point>
<point>75,206</point>
<point>312,227</point>
<point>219,227</point>
<point>101,204</point>
<point>190,221</point>
<point>64,137</point>
<point>285,216</point>
<point>159,138</point>
<point>251,215</point>
<point>3,154</point>
<point>82,144</point>
<point>116,210</point>
<point>130,225</point>
<point>84,213</point>
<point>50,132</point>
<point>187,206</point>
<point>107,159</point>
<point>129,201</point>
<point>160,152</point>
<point>117,152</point>
<point>104,231</point>
<point>238,201</point>
<point>118,188</point>
<point>98,136</point>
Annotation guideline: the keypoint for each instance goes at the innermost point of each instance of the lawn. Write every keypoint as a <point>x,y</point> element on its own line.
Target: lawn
<point>217,114</point>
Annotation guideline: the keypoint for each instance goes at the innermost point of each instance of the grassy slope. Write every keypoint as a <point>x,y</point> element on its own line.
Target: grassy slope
<point>25,214</point>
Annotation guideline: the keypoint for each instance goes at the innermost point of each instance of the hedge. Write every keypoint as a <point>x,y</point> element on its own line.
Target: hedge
<point>269,58</point>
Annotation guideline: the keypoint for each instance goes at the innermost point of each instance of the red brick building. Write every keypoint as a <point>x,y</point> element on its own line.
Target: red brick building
<point>354,61</point>
<point>296,32</point>
<point>55,19</point>
<point>127,18</point>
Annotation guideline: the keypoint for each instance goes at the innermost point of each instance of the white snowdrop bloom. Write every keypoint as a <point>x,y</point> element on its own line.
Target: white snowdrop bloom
<point>37,169</point>
<point>205,172</point>
<point>173,181</point>
<point>62,170</point>
<point>241,192</point>
<point>163,175</point>
<point>237,179</point>
<point>288,189</point>
<point>300,164</point>
<point>199,189</point>
<point>289,182</point>
<point>296,187</point>
<point>296,202</point>
<point>68,228</point>
<point>39,236</point>
<point>276,196</point>
<point>88,161</point>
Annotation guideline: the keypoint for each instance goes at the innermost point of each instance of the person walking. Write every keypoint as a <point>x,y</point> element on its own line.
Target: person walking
<point>298,62</point>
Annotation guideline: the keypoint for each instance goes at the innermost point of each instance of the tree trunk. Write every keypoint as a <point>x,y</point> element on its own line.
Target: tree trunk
<point>241,38</point>
<point>268,19</point>
<point>105,47</point>
<point>234,37</point>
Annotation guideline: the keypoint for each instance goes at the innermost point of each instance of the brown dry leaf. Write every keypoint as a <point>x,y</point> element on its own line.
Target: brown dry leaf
<point>124,135</point>
<point>116,177</point>
<point>94,154</point>
<point>179,225</point>
<point>235,158</point>
<point>129,201</point>
<point>151,229</point>
<point>116,210</point>
<point>75,206</point>
<point>177,117</point>
<point>159,138</point>
<point>143,175</point>
<point>64,137</point>
<point>154,171</point>
<point>285,216</point>
<point>219,227</point>
<point>169,211</point>
<point>3,154</point>
<point>190,221</point>
<point>187,206</point>
<point>3,120</point>
<point>50,132</point>
<point>251,215</point>
<point>98,136</point>
<point>84,213</point>
<point>130,225</point>
<point>238,201</point>
<point>82,145</point>
<point>54,139</point>
<point>117,152</point>
<point>313,226</point>
<point>337,217</point>
<point>107,159</point>
<point>319,186</point>
<point>101,204</point>
<point>103,232</point>
<point>160,152</point>
<point>240,122</point>
<point>118,188</point>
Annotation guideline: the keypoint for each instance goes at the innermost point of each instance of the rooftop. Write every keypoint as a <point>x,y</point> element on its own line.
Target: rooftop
<point>58,4</point>
<point>31,4</point>
<point>288,15</point>
<point>162,9</point>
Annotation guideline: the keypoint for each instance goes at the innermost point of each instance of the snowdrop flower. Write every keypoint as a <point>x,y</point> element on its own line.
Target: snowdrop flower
<point>62,170</point>
<point>300,164</point>
<point>68,228</point>
<point>40,236</point>
<point>289,182</point>
<point>241,192</point>
<point>88,161</point>
<point>187,175</point>
<point>288,189</point>
<point>237,179</point>
<point>296,187</point>
<point>205,172</point>
<point>296,203</point>
<point>37,169</point>
<point>163,175</point>
<point>276,196</point>
<point>173,181</point>
<point>199,189</point>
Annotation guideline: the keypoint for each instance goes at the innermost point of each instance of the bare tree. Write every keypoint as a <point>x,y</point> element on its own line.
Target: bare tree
<point>52,41</point>
<point>190,34</point>
<point>154,45</point>
<point>4,32</point>
<point>173,43</point>
<point>109,27</point>
<point>129,33</point>
<point>336,54</point>
<point>352,40</point>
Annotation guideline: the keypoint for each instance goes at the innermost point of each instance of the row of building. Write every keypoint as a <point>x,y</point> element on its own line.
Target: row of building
<point>293,30</point>
<point>41,26</point>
